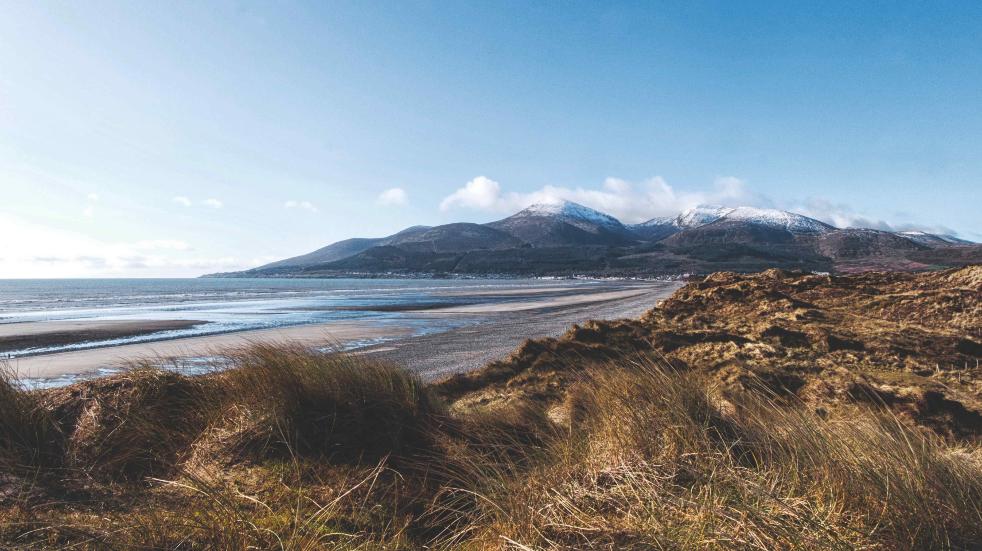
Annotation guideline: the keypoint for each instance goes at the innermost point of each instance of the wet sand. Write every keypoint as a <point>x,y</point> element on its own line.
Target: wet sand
<point>498,329</point>
<point>39,334</point>
<point>551,302</point>
<point>83,361</point>
<point>468,348</point>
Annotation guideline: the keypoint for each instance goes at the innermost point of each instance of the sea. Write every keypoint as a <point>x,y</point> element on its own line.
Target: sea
<point>229,305</point>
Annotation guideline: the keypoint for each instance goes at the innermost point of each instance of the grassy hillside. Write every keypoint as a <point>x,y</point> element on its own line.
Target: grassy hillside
<point>772,411</point>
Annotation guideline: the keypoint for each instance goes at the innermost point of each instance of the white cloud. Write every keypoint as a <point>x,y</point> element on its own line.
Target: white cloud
<point>841,215</point>
<point>92,197</point>
<point>182,200</point>
<point>481,193</point>
<point>88,212</point>
<point>633,202</point>
<point>213,203</point>
<point>628,201</point>
<point>305,205</point>
<point>396,197</point>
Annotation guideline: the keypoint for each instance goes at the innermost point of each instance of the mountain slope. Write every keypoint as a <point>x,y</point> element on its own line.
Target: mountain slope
<point>426,250</point>
<point>933,240</point>
<point>330,253</point>
<point>338,250</point>
<point>655,229</point>
<point>725,230</point>
<point>458,237</point>
<point>854,243</point>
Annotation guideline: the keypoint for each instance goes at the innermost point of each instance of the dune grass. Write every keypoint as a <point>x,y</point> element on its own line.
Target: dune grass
<point>143,425</point>
<point>28,435</point>
<point>341,407</point>
<point>292,449</point>
<point>653,460</point>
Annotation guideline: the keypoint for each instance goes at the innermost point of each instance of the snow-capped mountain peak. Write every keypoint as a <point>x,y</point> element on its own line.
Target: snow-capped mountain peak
<point>569,210</point>
<point>564,223</point>
<point>707,214</point>
<point>701,215</point>
<point>795,223</point>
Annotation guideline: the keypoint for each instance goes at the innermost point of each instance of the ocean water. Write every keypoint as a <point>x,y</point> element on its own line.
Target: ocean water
<point>228,305</point>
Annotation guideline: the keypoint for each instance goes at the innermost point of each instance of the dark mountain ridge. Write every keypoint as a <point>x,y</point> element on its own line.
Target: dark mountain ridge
<point>565,238</point>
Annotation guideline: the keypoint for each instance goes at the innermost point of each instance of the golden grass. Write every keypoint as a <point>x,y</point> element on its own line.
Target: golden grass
<point>28,435</point>
<point>653,461</point>
<point>341,407</point>
<point>291,449</point>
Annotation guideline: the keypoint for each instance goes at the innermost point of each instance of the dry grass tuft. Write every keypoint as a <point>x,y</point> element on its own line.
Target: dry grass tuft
<point>337,406</point>
<point>29,438</point>
<point>654,460</point>
<point>140,425</point>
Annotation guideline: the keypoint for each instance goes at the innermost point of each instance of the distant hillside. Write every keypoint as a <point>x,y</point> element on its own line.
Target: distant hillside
<point>461,237</point>
<point>342,249</point>
<point>565,238</point>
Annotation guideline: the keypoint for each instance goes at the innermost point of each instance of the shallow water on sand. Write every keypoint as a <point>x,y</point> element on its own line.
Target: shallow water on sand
<point>227,305</point>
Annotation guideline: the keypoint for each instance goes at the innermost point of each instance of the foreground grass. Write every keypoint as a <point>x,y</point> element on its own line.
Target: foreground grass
<point>290,449</point>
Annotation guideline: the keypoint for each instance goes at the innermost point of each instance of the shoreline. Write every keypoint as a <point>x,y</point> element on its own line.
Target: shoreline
<point>19,336</point>
<point>82,362</point>
<point>397,339</point>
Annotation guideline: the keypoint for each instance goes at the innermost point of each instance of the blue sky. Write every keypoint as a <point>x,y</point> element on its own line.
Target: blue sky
<point>172,139</point>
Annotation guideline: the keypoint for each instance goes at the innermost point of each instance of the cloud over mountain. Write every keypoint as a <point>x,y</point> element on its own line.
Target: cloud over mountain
<point>842,215</point>
<point>633,202</point>
<point>628,201</point>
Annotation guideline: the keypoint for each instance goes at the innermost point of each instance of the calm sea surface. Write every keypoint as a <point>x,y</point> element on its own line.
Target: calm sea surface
<point>225,305</point>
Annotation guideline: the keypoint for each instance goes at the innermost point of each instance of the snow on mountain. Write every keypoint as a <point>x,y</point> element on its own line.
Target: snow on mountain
<point>565,223</point>
<point>691,218</point>
<point>701,215</point>
<point>795,223</point>
<point>570,211</point>
<point>659,221</point>
<point>773,218</point>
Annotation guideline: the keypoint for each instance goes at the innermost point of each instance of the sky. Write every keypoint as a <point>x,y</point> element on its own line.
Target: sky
<point>170,139</point>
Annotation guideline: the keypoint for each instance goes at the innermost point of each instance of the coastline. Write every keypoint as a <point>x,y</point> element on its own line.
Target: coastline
<point>503,325</point>
<point>79,362</point>
<point>42,334</point>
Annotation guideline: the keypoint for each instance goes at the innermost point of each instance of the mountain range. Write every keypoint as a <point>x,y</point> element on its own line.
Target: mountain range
<point>565,238</point>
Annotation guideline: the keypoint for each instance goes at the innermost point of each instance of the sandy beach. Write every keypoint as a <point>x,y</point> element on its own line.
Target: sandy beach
<point>467,348</point>
<point>492,331</point>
